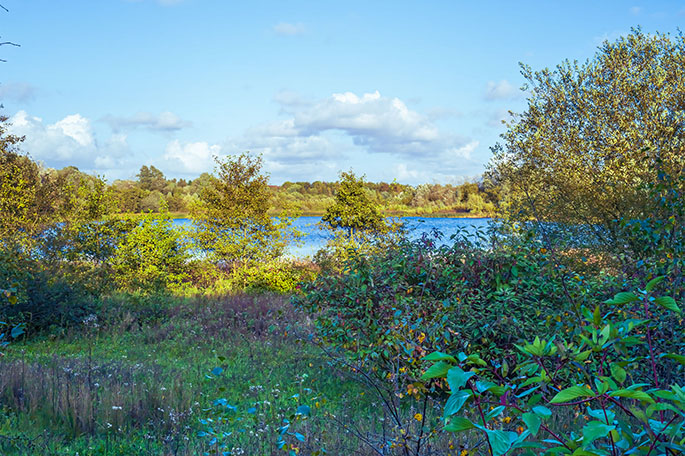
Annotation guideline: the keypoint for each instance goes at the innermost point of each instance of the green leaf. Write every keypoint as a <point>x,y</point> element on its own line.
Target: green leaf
<point>623,297</point>
<point>500,441</point>
<point>618,373</point>
<point>532,421</point>
<point>458,424</point>
<point>304,410</point>
<point>17,331</point>
<point>455,402</point>
<point>542,411</point>
<point>475,359</point>
<point>494,412</point>
<point>440,356</point>
<point>483,386</point>
<point>582,356</point>
<point>679,358</point>
<point>595,430</point>
<point>437,370</point>
<point>653,283</point>
<point>633,394</point>
<point>457,378</point>
<point>571,393</point>
<point>667,302</point>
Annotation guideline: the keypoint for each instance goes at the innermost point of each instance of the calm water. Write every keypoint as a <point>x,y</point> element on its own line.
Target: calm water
<point>315,238</point>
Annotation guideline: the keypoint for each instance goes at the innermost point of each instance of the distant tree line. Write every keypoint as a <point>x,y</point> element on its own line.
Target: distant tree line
<point>151,190</point>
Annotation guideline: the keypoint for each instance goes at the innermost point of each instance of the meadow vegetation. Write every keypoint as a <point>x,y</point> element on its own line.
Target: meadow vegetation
<point>556,331</point>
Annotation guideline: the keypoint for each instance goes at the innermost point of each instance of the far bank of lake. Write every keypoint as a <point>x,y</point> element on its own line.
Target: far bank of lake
<point>315,238</point>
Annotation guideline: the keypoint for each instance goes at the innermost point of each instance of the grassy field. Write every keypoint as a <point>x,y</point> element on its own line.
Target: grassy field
<point>139,382</point>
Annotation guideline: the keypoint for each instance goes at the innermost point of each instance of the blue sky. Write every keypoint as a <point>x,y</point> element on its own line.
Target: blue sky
<point>406,90</point>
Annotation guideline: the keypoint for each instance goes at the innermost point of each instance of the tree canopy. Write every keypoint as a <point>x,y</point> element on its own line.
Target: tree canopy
<point>353,210</point>
<point>232,215</point>
<point>595,133</point>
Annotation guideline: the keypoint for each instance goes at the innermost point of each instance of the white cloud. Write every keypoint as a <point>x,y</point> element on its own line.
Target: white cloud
<point>164,122</point>
<point>379,124</point>
<point>17,91</point>
<point>69,141</point>
<point>289,29</point>
<point>502,90</point>
<point>320,135</point>
<point>367,117</point>
<point>190,158</point>
<point>635,10</point>
<point>75,127</point>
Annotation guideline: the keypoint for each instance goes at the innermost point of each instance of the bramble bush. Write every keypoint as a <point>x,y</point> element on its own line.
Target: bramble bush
<point>379,313</point>
<point>609,385</point>
<point>606,377</point>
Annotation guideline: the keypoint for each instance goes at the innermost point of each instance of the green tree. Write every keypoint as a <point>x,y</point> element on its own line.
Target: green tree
<point>151,179</point>
<point>593,133</point>
<point>153,256</point>
<point>26,195</point>
<point>129,197</point>
<point>353,210</point>
<point>231,217</point>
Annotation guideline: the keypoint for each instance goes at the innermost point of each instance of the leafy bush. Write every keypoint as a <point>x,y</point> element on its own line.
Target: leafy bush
<point>152,257</point>
<point>460,295</point>
<point>380,312</point>
<point>595,377</point>
<point>41,298</point>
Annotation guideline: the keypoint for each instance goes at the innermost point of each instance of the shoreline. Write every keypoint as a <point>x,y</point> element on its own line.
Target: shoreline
<point>460,215</point>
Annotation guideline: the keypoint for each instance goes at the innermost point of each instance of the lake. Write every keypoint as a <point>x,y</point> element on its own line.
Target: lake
<point>315,238</point>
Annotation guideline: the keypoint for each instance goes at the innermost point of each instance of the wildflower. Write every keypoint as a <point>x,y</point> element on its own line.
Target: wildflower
<point>463,453</point>
<point>506,419</point>
<point>116,407</point>
<point>418,417</point>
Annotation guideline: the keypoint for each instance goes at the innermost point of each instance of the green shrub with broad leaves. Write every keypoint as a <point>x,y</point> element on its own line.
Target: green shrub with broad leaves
<point>382,310</point>
<point>596,393</point>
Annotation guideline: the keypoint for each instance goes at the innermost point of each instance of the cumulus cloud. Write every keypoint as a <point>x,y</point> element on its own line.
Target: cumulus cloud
<point>190,158</point>
<point>69,141</point>
<point>320,134</point>
<point>164,122</point>
<point>17,91</point>
<point>371,120</point>
<point>502,90</point>
<point>289,29</point>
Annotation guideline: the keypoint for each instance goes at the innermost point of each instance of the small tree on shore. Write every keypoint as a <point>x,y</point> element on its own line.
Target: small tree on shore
<point>352,210</point>
<point>232,219</point>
